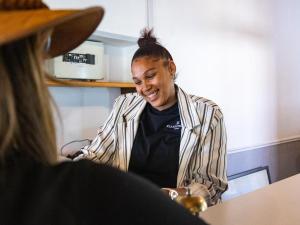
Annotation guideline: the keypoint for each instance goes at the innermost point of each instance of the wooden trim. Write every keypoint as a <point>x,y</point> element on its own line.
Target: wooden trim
<point>78,83</point>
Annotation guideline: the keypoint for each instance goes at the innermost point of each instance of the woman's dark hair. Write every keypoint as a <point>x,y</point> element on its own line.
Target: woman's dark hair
<point>148,46</point>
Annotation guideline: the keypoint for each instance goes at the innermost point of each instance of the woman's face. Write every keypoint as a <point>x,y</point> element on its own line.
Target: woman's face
<point>153,79</point>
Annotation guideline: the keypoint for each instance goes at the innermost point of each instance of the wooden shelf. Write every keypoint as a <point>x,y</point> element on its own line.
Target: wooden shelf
<point>126,87</point>
<point>78,83</point>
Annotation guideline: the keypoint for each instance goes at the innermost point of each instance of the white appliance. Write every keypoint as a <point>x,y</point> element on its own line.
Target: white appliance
<point>84,62</point>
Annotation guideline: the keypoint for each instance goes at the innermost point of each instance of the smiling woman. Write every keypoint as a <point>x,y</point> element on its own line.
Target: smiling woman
<point>153,72</point>
<point>161,133</point>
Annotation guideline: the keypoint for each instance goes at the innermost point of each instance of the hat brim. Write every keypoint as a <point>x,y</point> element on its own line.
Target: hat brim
<point>70,27</point>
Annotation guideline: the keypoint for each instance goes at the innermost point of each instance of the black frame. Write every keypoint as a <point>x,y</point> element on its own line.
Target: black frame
<point>247,172</point>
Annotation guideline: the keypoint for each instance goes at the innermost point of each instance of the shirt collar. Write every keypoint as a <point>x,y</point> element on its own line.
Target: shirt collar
<point>187,110</point>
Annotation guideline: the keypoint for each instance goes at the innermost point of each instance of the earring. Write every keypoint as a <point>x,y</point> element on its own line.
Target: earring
<point>174,76</point>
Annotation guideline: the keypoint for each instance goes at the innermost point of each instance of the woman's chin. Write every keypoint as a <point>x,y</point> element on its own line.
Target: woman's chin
<point>154,104</point>
<point>153,101</point>
<point>159,106</point>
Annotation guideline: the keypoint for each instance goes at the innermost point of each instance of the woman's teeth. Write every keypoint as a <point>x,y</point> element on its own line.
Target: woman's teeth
<point>152,95</point>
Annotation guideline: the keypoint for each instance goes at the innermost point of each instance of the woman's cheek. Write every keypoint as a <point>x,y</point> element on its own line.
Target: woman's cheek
<point>138,90</point>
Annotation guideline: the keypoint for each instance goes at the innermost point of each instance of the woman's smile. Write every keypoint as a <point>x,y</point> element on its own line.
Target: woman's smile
<point>152,96</point>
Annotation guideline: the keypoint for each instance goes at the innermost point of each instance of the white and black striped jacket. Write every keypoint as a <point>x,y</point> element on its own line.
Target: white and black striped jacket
<point>202,155</point>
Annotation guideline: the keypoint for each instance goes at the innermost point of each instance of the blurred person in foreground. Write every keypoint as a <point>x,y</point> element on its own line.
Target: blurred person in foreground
<point>35,189</point>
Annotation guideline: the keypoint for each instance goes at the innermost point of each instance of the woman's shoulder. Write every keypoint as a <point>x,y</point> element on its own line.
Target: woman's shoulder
<point>85,191</point>
<point>128,99</point>
<point>125,194</point>
<point>204,101</point>
<point>92,173</point>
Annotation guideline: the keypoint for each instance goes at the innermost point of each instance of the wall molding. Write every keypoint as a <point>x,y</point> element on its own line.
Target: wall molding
<point>277,142</point>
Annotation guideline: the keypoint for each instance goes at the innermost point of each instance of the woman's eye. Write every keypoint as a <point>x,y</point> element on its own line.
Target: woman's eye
<point>137,82</point>
<point>150,76</point>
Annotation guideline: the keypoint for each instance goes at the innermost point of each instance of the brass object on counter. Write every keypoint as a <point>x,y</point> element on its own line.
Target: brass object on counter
<point>195,204</point>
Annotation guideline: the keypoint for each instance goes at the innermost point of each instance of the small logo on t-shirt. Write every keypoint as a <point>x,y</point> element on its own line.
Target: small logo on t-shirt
<point>176,126</point>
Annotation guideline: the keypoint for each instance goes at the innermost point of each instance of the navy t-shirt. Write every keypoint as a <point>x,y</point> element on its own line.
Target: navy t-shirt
<point>155,151</point>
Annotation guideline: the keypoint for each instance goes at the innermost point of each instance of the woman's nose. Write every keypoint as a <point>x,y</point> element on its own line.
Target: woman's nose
<point>146,86</point>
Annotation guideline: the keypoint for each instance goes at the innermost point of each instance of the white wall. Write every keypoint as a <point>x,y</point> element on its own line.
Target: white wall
<point>82,111</point>
<point>287,47</point>
<point>244,55</point>
<point>121,17</point>
<point>224,50</point>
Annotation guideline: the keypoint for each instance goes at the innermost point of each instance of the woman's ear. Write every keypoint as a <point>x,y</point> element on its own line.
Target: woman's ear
<point>172,68</point>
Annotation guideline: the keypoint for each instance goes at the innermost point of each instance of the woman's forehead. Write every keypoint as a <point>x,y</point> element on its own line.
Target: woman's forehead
<point>147,60</point>
<point>142,66</point>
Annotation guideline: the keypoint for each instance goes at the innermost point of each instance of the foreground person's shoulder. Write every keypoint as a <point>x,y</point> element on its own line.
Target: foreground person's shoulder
<point>124,198</point>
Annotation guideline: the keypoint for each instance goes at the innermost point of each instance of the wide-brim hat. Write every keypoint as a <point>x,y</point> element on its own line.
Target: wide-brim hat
<point>70,27</point>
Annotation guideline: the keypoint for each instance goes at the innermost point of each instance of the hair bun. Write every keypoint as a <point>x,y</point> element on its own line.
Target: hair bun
<point>147,38</point>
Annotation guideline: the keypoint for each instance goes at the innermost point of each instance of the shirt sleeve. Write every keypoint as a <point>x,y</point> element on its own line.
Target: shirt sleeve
<point>102,148</point>
<point>209,177</point>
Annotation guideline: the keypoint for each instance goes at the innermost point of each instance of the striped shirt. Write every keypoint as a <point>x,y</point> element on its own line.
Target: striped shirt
<point>202,153</point>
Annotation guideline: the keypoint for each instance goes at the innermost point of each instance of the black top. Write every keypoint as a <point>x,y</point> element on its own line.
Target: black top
<point>155,151</point>
<point>82,193</point>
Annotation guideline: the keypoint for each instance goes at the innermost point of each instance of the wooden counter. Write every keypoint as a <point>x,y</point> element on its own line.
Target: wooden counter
<point>276,204</point>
